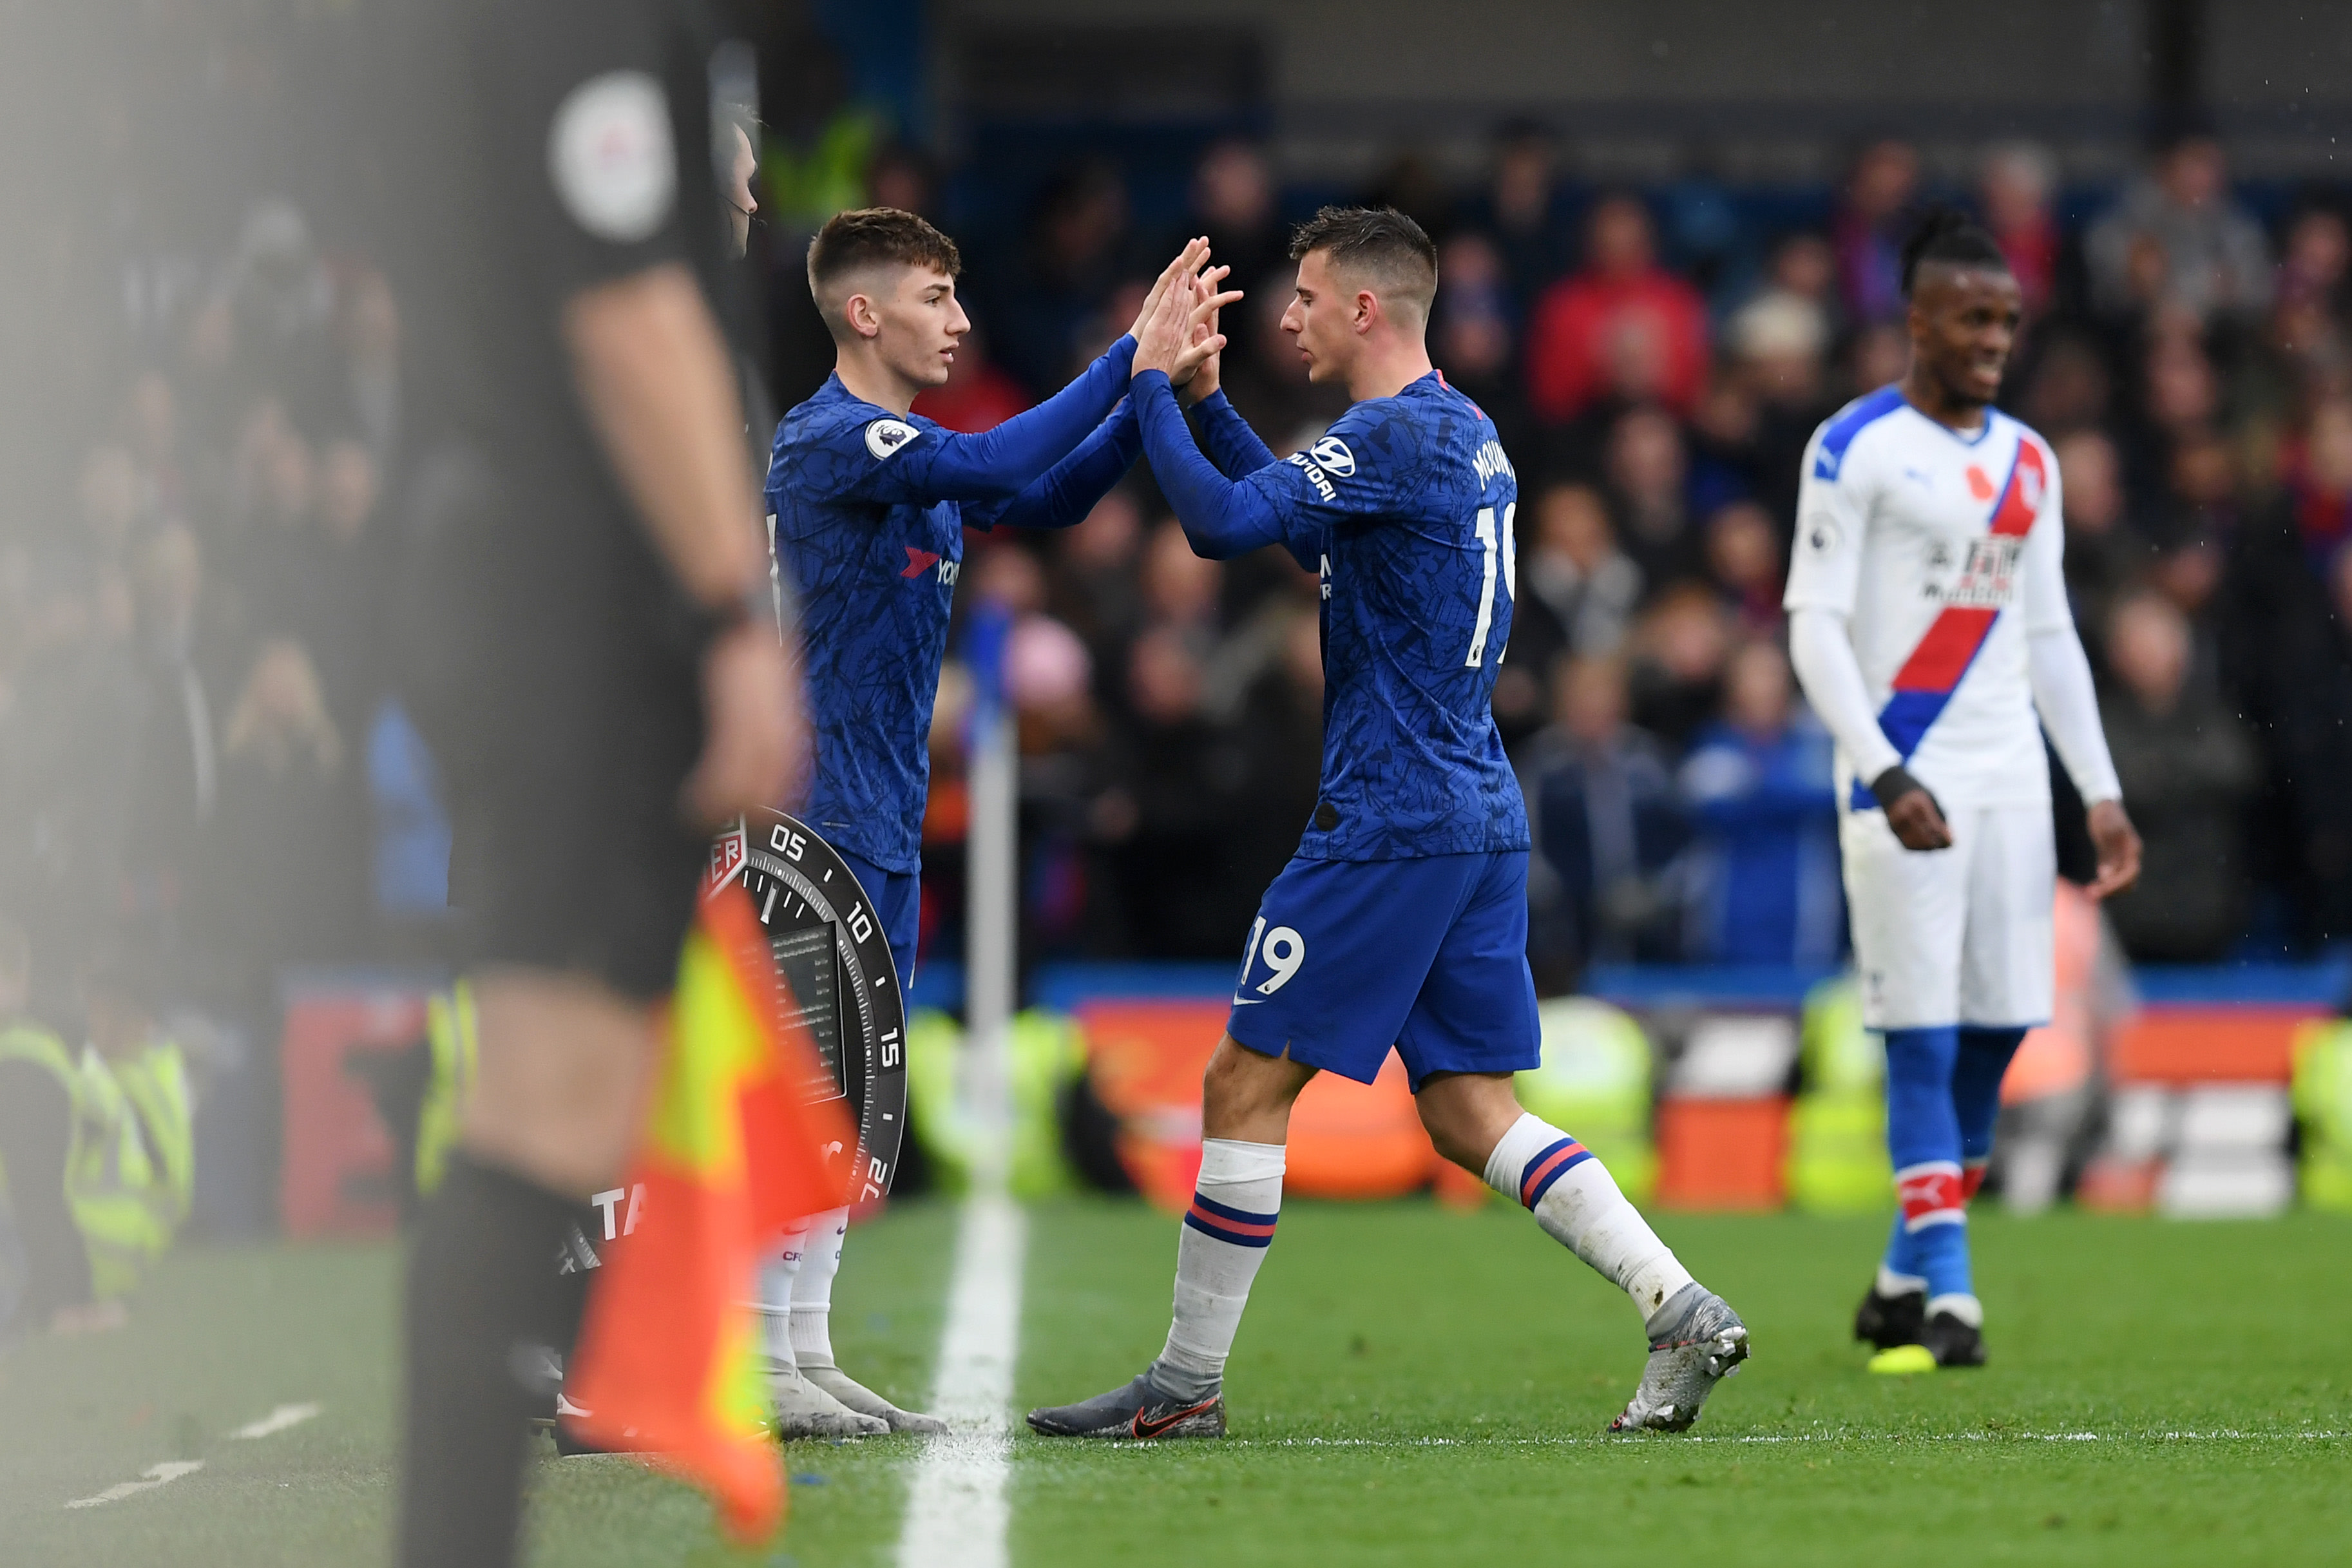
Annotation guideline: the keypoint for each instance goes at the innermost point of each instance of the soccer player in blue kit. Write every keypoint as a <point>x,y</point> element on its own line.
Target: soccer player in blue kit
<point>1403,919</point>
<point>867,503</point>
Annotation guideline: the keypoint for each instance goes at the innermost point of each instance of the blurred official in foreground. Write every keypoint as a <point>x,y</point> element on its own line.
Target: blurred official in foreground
<point>594,656</point>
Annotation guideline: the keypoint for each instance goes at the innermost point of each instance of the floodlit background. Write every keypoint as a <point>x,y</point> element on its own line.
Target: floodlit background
<point>1668,234</point>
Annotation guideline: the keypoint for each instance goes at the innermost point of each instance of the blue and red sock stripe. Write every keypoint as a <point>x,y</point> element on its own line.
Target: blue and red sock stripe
<point>1239,1227</point>
<point>1550,1166</point>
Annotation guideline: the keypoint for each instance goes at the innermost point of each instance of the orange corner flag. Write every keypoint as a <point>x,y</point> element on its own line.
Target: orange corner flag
<point>732,1154</point>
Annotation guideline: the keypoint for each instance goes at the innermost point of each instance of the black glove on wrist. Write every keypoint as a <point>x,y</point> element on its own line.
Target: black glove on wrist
<point>1895,783</point>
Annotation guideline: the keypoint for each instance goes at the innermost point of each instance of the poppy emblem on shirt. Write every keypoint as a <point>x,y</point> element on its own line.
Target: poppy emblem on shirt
<point>1979,483</point>
<point>919,562</point>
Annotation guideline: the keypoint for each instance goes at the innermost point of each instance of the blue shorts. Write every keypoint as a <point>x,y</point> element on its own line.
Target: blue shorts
<point>898,900</point>
<point>1350,957</point>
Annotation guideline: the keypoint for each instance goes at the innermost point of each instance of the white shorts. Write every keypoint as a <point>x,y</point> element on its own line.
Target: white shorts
<point>1953,936</point>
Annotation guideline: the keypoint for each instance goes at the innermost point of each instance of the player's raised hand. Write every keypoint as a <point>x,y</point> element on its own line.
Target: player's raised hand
<point>1188,262</point>
<point>1202,380</point>
<point>1163,337</point>
<point>2117,842</point>
<point>1198,336</point>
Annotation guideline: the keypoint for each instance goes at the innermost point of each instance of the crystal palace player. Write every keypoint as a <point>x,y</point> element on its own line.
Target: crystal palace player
<point>1928,623</point>
<point>1402,919</point>
<point>869,503</point>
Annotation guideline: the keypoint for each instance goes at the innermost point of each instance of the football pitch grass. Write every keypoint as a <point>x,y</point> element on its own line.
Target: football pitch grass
<point>1413,1385</point>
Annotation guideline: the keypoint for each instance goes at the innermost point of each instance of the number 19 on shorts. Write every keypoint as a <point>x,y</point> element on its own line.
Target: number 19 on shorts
<point>1284,951</point>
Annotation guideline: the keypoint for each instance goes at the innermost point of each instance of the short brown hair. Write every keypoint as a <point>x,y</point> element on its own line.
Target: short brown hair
<point>1379,244</point>
<point>869,237</point>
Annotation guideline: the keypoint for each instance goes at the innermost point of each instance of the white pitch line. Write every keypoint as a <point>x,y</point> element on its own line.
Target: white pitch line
<point>277,1420</point>
<point>957,1511</point>
<point>170,1471</point>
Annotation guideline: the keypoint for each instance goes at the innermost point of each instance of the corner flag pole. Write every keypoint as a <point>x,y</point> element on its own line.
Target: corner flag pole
<point>991,898</point>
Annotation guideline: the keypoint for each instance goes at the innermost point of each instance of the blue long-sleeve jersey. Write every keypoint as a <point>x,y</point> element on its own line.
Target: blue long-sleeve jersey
<point>867,512</point>
<point>1405,509</point>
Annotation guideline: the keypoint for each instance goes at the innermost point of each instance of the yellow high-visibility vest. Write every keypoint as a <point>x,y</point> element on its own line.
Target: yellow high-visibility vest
<point>454,1033</point>
<point>131,1156</point>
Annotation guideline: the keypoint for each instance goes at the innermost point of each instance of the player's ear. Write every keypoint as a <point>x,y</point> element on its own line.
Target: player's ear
<point>864,319</point>
<point>1368,311</point>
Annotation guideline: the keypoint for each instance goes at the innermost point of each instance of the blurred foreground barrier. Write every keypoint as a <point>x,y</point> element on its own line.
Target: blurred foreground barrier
<point>2323,1105</point>
<point>1723,1124</point>
<point>338,1175</point>
<point>2198,1114</point>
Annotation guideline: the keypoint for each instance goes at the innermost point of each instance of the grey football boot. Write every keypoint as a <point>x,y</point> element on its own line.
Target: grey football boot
<point>802,1409</point>
<point>1137,1410</point>
<point>848,1391</point>
<point>1696,1341</point>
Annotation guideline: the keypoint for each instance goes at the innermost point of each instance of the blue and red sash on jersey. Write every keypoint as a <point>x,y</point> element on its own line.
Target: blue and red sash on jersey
<point>1924,684</point>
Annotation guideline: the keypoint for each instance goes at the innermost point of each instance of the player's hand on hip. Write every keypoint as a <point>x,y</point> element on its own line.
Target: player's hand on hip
<point>2119,848</point>
<point>1911,812</point>
<point>1188,261</point>
<point>755,739</point>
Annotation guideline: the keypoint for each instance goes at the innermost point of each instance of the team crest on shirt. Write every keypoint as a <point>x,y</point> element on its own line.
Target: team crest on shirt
<point>885,436</point>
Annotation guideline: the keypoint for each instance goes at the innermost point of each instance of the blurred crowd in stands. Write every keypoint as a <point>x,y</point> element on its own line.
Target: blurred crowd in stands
<point>208,582</point>
<point>1656,369</point>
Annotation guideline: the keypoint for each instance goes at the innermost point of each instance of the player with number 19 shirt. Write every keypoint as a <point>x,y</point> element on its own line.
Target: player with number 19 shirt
<point>1402,920</point>
<point>1416,851</point>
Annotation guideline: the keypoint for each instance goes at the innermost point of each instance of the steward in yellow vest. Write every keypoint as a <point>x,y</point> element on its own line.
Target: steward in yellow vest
<point>97,1149</point>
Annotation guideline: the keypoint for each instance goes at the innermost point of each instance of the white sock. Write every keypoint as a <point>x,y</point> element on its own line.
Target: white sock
<point>811,1328</point>
<point>1576,1200</point>
<point>1963,1306</point>
<point>774,1301</point>
<point>1224,1238</point>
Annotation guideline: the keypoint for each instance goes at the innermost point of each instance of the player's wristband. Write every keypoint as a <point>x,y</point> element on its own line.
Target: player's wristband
<point>1898,782</point>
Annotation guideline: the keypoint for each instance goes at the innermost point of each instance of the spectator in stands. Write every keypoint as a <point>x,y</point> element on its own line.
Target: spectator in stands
<point>372,393</point>
<point>1607,823</point>
<point>1679,646</point>
<point>1577,591</point>
<point>285,864</point>
<point>2190,772</point>
<point>2319,483</point>
<point>1756,784</point>
<point>1521,214</point>
<point>1745,557</point>
<point>1648,470</point>
<point>1179,793</point>
<point>1474,342</point>
<point>1873,216</point>
<point>2178,236</point>
<point>1092,580</point>
<point>1234,203</point>
<point>1180,591</point>
<point>1075,253</point>
<point>1622,310</point>
<point>2104,554</point>
<point>2069,387</point>
<point>1780,344</point>
<point>2014,185</point>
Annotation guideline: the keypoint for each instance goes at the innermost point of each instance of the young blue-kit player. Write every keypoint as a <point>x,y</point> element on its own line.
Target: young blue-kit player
<point>1403,919</point>
<point>867,505</point>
